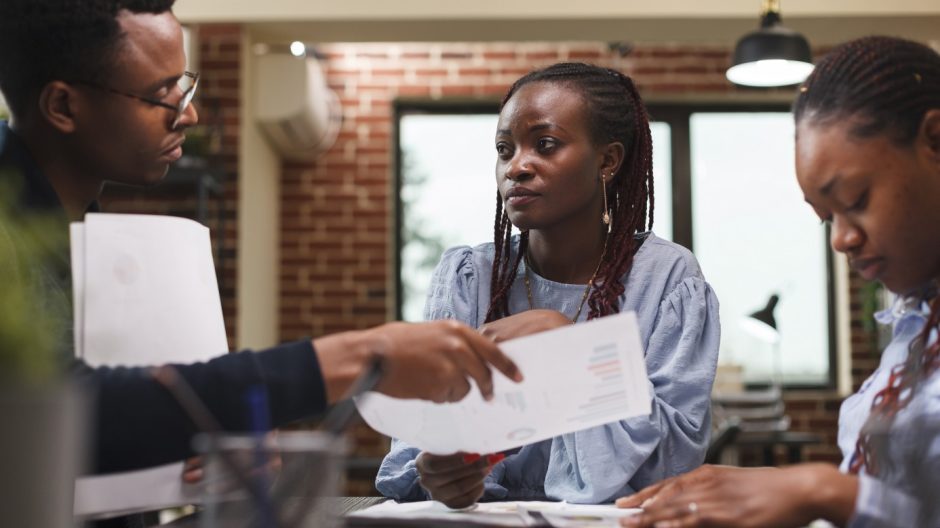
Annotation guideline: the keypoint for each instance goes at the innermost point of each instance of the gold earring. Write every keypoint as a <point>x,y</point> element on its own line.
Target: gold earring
<point>606,216</point>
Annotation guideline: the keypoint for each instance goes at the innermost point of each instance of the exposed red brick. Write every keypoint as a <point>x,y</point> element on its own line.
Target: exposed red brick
<point>208,32</point>
<point>388,72</point>
<point>585,55</point>
<point>431,72</point>
<point>463,89</point>
<point>542,55</point>
<point>499,55</point>
<point>692,69</point>
<point>474,71</point>
<point>414,91</point>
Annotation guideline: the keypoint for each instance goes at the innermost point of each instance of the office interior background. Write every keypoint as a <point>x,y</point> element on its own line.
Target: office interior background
<point>344,236</point>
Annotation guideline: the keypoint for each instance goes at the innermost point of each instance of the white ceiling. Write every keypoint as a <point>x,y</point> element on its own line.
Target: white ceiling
<point>711,21</point>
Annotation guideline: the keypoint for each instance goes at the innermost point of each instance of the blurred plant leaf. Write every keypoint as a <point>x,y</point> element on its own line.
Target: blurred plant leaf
<point>28,337</point>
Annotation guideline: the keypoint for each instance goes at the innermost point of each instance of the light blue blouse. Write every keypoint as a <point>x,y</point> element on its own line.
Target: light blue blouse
<point>678,318</point>
<point>905,492</point>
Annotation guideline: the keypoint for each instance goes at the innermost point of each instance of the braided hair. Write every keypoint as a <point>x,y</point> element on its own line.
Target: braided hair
<point>886,83</point>
<point>615,112</point>
<point>881,85</point>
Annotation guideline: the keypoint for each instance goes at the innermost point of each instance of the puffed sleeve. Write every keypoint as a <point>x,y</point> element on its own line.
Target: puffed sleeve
<point>453,290</point>
<point>599,464</point>
<point>452,295</point>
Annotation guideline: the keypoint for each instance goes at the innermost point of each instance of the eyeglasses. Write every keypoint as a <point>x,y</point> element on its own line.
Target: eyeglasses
<point>187,84</point>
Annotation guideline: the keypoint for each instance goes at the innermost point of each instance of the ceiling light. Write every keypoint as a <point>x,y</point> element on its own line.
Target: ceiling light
<point>771,56</point>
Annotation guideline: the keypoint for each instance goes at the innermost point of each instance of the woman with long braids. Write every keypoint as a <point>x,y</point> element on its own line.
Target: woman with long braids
<point>574,175</point>
<point>868,161</point>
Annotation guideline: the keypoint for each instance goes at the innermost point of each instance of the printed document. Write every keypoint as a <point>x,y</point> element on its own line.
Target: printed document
<point>576,377</point>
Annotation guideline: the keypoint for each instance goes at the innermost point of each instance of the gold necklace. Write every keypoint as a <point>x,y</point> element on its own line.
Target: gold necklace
<point>587,289</point>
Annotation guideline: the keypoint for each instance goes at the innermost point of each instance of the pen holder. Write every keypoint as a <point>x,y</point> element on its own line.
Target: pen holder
<point>283,480</point>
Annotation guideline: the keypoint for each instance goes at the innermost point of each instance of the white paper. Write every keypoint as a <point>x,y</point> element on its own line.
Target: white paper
<point>145,293</point>
<point>565,515</point>
<point>576,377</point>
<point>517,513</point>
<point>124,493</point>
<point>488,513</point>
<point>150,292</point>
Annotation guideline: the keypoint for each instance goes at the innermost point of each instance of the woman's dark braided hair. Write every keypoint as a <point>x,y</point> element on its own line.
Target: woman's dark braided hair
<point>615,112</point>
<point>881,85</point>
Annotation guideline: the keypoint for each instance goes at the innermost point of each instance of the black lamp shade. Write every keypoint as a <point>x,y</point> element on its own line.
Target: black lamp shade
<point>766,314</point>
<point>771,56</point>
<point>775,42</point>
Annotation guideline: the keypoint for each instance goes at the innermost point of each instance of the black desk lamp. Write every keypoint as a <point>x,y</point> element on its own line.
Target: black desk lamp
<point>763,325</point>
<point>766,314</point>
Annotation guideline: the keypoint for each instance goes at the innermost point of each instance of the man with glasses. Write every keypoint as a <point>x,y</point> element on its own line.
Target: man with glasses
<point>98,92</point>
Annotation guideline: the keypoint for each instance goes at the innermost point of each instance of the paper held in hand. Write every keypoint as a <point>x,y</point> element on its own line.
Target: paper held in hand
<point>145,291</point>
<point>576,377</point>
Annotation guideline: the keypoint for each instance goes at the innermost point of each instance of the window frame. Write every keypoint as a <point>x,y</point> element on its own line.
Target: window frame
<point>401,108</point>
<point>678,116</point>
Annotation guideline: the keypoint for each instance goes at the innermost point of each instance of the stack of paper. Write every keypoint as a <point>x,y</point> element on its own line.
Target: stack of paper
<point>145,293</point>
<point>516,513</point>
<point>576,377</point>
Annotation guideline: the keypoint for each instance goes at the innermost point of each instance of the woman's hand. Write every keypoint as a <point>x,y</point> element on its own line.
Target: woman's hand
<point>193,471</point>
<point>523,324</point>
<point>745,497</point>
<point>666,489</point>
<point>455,480</point>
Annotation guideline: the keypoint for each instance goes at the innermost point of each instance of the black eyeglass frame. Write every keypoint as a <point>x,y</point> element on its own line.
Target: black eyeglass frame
<point>179,107</point>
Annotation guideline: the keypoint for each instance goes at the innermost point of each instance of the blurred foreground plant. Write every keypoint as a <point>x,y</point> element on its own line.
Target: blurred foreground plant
<point>28,336</point>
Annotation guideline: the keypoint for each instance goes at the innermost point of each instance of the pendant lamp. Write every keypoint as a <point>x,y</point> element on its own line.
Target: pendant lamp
<point>771,56</point>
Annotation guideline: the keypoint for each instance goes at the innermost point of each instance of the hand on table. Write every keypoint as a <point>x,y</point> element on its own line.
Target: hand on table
<point>741,497</point>
<point>193,470</point>
<point>455,480</point>
<point>194,467</point>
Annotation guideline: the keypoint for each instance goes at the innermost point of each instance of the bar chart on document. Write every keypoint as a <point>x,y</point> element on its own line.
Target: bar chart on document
<point>576,377</point>
<point>608,394</point>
